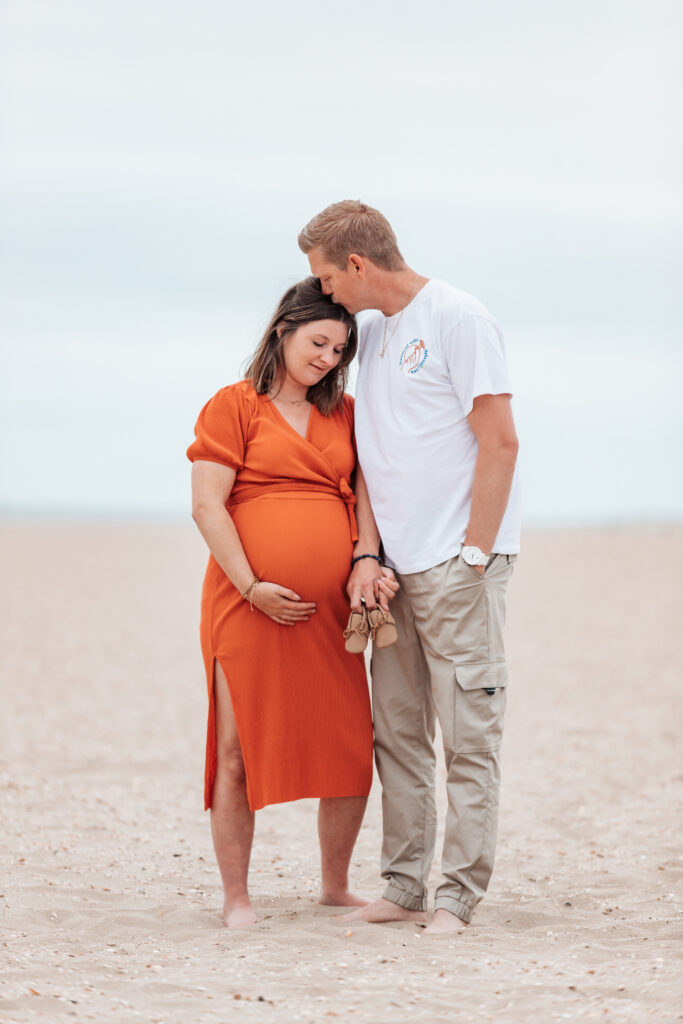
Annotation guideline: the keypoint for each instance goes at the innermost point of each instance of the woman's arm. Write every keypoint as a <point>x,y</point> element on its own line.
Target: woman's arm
<point>368,580</point>
<point>211,487</point>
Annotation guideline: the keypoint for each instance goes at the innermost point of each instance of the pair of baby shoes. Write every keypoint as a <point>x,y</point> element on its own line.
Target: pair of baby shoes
<point>369,624</point>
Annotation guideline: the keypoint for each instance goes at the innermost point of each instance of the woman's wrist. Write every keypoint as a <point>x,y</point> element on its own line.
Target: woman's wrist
<point>367,546</point>
<point>365,554</point>
<point>248,594</point>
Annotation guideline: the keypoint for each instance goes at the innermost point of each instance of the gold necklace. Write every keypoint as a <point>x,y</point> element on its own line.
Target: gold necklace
<point>289,401</point>
<point>385,340</point>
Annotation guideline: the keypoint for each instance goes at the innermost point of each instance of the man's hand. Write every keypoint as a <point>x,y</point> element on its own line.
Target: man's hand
<point>374,583</point>
<point>387,587</point>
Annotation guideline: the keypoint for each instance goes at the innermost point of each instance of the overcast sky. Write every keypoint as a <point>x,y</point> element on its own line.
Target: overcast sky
<point>159,158</point>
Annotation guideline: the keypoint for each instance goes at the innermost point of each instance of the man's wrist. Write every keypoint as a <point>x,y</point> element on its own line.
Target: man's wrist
<point>472,540</point>
<point>473,555</point>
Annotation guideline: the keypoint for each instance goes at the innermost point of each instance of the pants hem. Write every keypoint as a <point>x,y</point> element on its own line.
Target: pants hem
<point>404,899</point>
<point>454,906</point>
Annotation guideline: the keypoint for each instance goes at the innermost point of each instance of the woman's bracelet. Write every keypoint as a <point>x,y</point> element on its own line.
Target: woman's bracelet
<point>359,557</point>
<point>249,592</point>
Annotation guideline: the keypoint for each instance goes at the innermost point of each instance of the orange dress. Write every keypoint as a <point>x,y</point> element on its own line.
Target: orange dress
<point>301,702</point>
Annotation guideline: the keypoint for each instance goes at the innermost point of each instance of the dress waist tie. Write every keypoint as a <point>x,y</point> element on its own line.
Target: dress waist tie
<point>341,490</point>
<point>350,500</point>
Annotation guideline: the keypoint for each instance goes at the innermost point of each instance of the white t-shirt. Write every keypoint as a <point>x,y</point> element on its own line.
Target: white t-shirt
<point>415,446</point>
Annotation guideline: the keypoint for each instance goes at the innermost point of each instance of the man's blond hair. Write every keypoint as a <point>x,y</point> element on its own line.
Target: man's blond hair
<point>352,226</point>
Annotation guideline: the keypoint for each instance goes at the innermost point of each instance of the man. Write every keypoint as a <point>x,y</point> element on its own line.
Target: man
<point>437,490</point>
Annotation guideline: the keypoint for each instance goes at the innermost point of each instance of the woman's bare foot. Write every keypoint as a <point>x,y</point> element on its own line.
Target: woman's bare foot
<point>238,915</point>
<point>383,911</point>
<point>343,898</point>
<point>445,922</point>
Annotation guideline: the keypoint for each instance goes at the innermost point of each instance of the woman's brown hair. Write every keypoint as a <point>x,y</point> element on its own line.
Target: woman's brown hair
<point>303,303</point>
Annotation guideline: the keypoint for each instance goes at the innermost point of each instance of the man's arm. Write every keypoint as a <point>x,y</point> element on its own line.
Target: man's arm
<point>493,426</point>
<point>368,580</point>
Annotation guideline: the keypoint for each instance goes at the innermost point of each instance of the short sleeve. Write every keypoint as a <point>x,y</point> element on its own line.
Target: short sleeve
<point>475,355</point>
<point>221,430</point>
<point>348,410</point>
<point>349,406</point>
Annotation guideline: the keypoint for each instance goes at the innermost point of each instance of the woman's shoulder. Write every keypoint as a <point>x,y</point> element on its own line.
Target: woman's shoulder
<point>342,409</point>
<point>223,426</point>
<point>348,404</point>
<point>241,394</point>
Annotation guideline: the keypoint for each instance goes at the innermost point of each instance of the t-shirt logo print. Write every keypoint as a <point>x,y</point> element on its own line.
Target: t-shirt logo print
<point>413,356</point>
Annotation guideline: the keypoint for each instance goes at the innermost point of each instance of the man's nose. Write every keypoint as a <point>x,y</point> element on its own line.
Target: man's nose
<point>326,289</point>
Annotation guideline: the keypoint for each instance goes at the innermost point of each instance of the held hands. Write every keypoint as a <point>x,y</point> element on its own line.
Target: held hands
<point>281,604</point>
<point>374,583</point>
<point>387,587</point>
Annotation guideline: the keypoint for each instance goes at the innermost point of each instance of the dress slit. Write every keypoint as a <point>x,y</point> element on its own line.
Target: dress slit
<point>212,734</point>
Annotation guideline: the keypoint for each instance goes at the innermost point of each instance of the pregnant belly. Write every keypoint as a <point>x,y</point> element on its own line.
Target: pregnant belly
<point>300,541</point>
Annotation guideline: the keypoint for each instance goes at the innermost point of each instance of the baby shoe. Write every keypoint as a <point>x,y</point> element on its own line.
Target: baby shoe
<point>357,632</point>
<point>382,627</point>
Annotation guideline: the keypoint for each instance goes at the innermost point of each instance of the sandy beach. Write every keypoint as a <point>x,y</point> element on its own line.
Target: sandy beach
<point>110,895</point>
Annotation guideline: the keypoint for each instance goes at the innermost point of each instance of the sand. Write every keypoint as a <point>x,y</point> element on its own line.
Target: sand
<point>110,896</point>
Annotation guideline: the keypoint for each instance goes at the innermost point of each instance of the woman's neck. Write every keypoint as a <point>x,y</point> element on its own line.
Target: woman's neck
<point>289,392</point>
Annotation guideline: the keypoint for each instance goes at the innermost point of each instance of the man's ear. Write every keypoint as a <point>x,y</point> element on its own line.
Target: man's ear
<point>357,265</point>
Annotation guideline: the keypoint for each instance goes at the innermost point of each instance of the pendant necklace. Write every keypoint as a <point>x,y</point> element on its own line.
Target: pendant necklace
<point>385,340</point>
<point>289,401</point>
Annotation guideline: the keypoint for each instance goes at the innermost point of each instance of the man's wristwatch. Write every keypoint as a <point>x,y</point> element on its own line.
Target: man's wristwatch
<point>474,556</point>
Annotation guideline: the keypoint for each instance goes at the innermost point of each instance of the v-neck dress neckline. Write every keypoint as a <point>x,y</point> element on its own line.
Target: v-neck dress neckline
<point>304,437</point>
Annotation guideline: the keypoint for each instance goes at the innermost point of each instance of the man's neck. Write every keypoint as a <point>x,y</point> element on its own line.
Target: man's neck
<point>397,288</point>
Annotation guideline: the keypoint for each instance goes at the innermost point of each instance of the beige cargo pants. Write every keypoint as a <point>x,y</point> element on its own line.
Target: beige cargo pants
<point>449,661</point>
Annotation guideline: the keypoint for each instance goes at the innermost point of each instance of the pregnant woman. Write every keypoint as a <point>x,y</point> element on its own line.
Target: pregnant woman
<point>289,712</point>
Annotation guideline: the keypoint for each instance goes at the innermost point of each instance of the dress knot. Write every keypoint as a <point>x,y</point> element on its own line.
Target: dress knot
<point>349,499</point>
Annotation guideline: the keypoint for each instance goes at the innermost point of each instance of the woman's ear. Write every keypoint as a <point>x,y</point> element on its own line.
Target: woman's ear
<point>280,330</point>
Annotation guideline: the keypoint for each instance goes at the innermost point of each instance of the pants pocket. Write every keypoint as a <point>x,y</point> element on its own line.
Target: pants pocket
<point>479,715</point>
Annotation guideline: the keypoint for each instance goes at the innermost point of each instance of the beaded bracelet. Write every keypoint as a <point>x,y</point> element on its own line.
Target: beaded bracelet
<point>249,592</point>
<point>359,557</point>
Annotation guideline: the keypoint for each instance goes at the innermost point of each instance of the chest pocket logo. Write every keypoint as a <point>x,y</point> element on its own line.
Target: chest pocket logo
<point>413,356</point>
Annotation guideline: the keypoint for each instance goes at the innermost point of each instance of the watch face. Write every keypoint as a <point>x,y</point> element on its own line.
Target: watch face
<point>473,556</point>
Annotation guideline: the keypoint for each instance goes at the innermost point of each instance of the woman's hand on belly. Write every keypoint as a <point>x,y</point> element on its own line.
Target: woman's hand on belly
<point>281,604</point>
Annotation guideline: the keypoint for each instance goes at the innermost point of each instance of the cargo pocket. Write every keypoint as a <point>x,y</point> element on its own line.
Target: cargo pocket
<point>478,714</point>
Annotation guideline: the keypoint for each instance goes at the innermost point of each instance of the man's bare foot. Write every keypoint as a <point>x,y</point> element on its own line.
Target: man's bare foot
<point>239,915</point>
<point>445,922</point>
<point>383,911</point>
<point>341,899</point>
